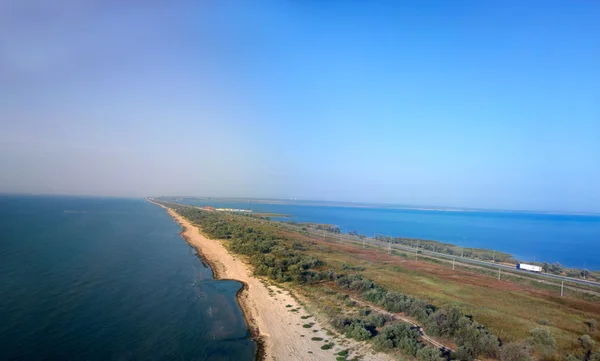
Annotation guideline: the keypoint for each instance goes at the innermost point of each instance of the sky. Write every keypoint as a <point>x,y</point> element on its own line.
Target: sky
<point>487,104</point>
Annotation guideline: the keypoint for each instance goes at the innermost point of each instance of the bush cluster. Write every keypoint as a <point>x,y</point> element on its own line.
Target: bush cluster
<point>398,335</point>
<point>274,257</point>
<point>283,260</point>
<point>449,321</point>
<point>362,327</point>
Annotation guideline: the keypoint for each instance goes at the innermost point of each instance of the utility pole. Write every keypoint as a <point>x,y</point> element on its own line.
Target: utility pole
<point>562,288</point>
<point>499,268</point>
<point>493,256</point>
<point>390,246</point>
<point>453,263</point>
<point>417,252</point>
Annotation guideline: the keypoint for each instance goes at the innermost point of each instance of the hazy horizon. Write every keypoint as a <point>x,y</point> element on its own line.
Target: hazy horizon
<point>469,105</point>
<point>333,202</point>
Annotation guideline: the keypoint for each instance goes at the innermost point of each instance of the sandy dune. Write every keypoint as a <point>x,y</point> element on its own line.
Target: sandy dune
<point>280,330</point>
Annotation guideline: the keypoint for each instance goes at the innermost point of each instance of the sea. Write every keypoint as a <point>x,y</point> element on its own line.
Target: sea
<point>109,279</point>
<point>570,239</point>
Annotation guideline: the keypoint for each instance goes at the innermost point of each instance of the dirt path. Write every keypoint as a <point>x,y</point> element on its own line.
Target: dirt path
<point>279,323</point>
<point>397,316</point>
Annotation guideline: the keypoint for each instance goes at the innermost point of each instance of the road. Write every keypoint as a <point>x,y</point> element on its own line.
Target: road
<point>385,245</point>
<point>508,268</point>
<point>511,268</point>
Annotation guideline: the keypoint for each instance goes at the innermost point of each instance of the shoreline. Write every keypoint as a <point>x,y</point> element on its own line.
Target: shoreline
<point>241,295</point>
<point>277,321</point>
<point>513,256</point>
<point>217,273</point>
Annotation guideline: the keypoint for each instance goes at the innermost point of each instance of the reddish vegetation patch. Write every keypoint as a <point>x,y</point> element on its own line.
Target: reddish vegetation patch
<point>465,276</point>
<point>295,236</point>
<point>462,275</point>
<point>366,254</point>
<point>575,303</point>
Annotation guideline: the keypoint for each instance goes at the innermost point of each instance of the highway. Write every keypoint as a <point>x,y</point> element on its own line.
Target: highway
<point>512,269</point>
<point>385,246</point>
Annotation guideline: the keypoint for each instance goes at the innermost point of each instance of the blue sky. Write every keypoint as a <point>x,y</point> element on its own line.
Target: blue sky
<point>448,103</point>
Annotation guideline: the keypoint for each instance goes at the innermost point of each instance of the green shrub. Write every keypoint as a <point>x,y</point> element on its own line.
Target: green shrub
<point>358,332</point>
<point>327,346</point>
<point>420,310</point>
<point>450,322</point>
<point>376,320</point>
<point>382,343</point>
<point>463,353</point>
<point>398,335</point>
<point>592,324</point>
<point>429,353</point>
<point>396,302</point>
<point>375,295</point>
<point>340,323</point>
<point>354,282</point>
<point>445,321</point>
<point>543,342</point>
<point>515,352</point>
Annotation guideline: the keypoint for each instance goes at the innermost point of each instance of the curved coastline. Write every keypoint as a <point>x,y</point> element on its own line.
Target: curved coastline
<point>280,333</point>
<point>218,271</point>
<point>241,295</point>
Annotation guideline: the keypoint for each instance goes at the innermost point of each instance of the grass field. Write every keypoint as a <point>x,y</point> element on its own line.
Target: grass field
<point>508,308</point>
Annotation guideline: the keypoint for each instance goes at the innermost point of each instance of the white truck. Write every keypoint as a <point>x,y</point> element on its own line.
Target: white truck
<point>529,267</point>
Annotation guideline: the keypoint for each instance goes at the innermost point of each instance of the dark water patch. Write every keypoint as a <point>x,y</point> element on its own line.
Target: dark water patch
<point>111,279</point>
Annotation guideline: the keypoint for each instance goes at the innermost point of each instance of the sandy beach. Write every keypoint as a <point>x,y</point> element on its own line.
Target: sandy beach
<point>280,331</point>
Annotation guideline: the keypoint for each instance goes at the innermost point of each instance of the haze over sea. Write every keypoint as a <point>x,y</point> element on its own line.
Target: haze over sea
<point>109,279</point>
<point>569,239</point>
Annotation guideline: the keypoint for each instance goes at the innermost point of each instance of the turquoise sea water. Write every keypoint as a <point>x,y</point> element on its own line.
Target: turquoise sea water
<point>109,279</point>
<point>573,240</point>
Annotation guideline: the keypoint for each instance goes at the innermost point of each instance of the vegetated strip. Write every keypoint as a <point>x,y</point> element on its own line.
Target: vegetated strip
<point>283,260</point>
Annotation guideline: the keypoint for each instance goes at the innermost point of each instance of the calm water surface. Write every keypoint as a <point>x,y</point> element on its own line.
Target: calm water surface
<point>109,279</point>
<point>573,240</point>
